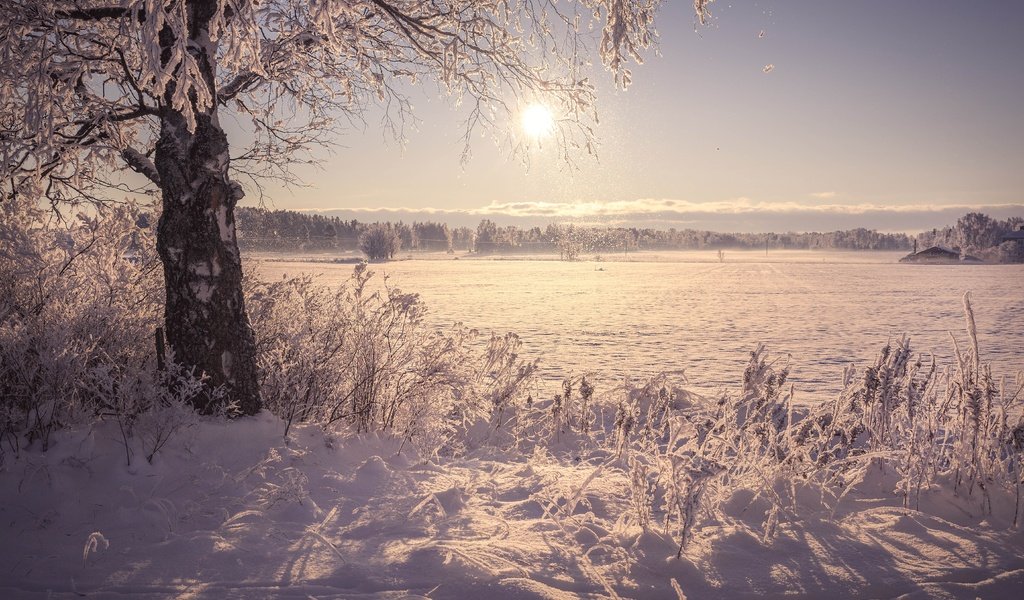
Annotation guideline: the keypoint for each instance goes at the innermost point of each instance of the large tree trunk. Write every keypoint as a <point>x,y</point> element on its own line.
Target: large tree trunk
<point>207,326</point>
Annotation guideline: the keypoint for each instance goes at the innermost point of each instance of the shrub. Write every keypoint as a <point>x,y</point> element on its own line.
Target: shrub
<point>929,428</point>
<point>80,301</point>
<point>380,241</point>
<point>364,359</point>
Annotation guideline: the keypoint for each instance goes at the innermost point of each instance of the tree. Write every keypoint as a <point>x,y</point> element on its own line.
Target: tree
<point>380,242</point>
<point>89,88</point>
<point>975,232</point>
<point>570,241</point>
<point>486,240</point>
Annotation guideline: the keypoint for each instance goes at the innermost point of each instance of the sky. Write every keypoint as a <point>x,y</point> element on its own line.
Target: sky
<point>896,115</point>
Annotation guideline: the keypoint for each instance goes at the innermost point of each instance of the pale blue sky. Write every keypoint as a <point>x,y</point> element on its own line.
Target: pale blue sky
<point>885,114</point>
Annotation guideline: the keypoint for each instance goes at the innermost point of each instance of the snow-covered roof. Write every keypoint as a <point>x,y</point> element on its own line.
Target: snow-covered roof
<point>939,250</point>
<point>933,254</point>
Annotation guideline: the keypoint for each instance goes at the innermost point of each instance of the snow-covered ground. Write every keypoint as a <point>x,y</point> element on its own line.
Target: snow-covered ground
<point>685,311</point>
<point>232,510</point>
<point>544,503</point>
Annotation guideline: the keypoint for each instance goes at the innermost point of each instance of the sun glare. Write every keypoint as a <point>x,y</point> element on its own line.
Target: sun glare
<point>537,120</point>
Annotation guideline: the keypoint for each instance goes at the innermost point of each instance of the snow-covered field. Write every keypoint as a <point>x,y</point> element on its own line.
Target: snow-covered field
<point>685,311</point>
<point>230,510</point>
<point>904,487</point>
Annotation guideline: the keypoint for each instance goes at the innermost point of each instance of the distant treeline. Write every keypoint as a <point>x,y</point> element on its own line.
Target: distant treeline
<point>283,230</point>
<point>572,240</point>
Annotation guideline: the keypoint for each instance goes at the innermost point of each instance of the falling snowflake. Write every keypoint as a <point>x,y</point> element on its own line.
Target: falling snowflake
<point>768,68</point>
<point>760,35</point>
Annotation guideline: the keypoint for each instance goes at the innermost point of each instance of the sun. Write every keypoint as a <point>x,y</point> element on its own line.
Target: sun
<point>537,120</point>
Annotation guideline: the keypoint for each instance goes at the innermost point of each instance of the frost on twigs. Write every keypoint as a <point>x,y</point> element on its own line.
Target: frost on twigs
<point>79,306</point>
<point>360,358</point>
<point>90,85</point>
<point>93,545</point>
<point>74,319</point>
<point>901,422</point>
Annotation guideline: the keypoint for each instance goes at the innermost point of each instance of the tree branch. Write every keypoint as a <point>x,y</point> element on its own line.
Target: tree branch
<point>98,13</point>
<point>141,164</point>
<point>237,85</point>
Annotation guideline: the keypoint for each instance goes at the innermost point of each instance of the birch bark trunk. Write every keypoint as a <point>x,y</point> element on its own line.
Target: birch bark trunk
<point>207,326</point>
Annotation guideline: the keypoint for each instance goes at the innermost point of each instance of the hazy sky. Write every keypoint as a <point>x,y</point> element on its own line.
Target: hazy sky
<point>889,114</point>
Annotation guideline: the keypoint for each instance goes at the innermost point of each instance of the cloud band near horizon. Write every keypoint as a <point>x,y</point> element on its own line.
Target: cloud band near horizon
<point>739,215</point>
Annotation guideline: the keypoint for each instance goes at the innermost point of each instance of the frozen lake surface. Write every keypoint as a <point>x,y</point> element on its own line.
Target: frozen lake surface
<point>687,312</point>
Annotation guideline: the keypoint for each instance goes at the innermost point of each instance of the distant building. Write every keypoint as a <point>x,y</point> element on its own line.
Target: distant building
<point>1014,236</point>
<point>937,255</point>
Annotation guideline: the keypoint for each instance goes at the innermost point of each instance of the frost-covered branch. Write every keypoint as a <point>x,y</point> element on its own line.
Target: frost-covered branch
<point>140,163</point>
<point>97,13</point>
<point>86,80</point>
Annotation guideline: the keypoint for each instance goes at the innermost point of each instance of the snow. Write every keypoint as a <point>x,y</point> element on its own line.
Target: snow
<point>234,510</point>
<point>687,312</point>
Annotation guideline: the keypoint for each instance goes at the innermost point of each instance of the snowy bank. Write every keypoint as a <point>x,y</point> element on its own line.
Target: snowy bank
<point>232,509</point>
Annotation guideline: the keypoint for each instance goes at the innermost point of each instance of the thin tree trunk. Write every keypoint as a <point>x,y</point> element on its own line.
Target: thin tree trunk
<point>207,326</point>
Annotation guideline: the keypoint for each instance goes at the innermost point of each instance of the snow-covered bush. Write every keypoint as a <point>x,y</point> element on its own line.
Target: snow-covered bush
<point>380,242</point>
<point>78,310</point>
<point>80,307</point>
<point>901,419</point>
<point>82,301</point>
<point>350,355</point>
<point>954,427</point>
<point>365,359</point>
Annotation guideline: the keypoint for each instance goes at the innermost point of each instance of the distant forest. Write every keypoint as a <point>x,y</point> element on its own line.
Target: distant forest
<point>282,230</point>
<point>286,231</point>
<point>289,231</point>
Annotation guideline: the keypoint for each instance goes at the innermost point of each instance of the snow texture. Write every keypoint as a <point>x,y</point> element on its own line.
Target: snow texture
<point>233,510</point>
<point>686,312</point>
